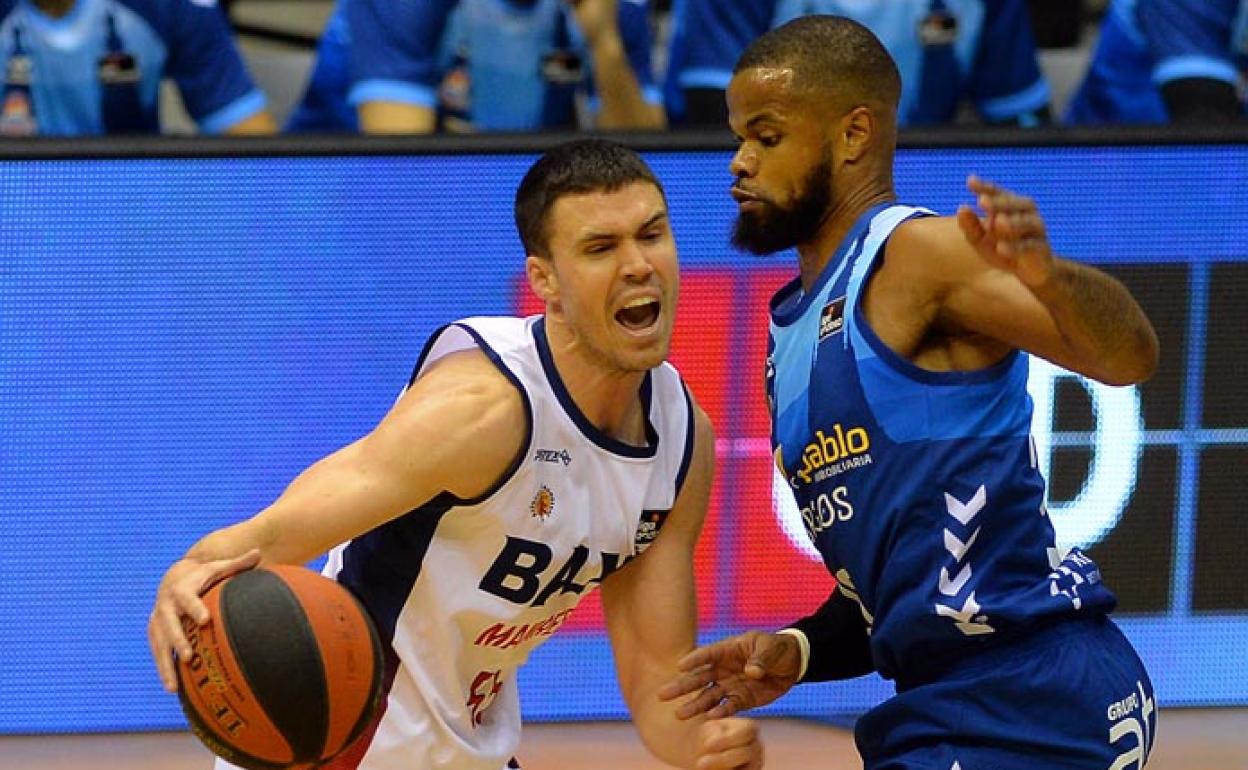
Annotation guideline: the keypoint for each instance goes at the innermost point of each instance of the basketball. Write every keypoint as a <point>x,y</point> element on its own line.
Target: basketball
<point>286,674</point>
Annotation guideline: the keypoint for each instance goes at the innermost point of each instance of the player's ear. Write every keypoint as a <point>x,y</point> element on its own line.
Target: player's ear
<point>542,279</point>
<point>857,131</point>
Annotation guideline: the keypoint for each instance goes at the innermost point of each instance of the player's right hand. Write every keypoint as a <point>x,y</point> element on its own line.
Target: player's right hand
<point>734,674</point>
<point>178,597</point>
<point>729,744</point>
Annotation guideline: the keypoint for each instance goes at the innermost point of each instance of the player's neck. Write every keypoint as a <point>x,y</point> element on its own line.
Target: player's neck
<point>847,207</point>
<point>607,397</point>
<point>55,8</point>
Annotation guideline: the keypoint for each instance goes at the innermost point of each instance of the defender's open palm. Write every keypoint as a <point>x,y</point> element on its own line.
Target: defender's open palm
<point>738,673</point>
<point>1011,233</point>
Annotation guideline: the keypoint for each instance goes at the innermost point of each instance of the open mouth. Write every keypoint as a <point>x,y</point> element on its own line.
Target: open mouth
<point>639,315</point>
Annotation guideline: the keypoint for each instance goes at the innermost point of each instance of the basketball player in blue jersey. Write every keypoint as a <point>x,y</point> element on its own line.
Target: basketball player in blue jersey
<point>896,380</point>
<point>1159,61</point>
<point>83,67</point>
<point>527,462</point>
<point>948,52</point>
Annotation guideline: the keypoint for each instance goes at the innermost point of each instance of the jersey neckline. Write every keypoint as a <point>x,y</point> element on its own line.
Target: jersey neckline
<point>591,431</point>
<point>789,303</point>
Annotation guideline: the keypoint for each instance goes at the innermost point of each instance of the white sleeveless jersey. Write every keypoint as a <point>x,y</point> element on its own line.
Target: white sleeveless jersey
<point>463,590</point>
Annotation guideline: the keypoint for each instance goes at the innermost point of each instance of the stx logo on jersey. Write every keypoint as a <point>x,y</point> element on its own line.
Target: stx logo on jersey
<point>831,454</point>
<point>516,574</point>
<point>543,503</point>
<point>832,318</point>
<point>552,456</point>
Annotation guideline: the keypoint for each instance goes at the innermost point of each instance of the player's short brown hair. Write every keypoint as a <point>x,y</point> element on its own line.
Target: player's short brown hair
<point>573,168</point>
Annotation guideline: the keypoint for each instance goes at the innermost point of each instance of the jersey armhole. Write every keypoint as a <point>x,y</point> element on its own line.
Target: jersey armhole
<point>690,438</point>
<point>861,329</point>
<point>442,342</point>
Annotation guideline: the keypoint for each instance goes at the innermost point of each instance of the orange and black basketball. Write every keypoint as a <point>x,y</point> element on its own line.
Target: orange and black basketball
<point>287,673</point>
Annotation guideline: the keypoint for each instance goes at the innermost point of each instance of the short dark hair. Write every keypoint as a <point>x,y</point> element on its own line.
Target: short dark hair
<point>573,168</point>
<point>830,55</point>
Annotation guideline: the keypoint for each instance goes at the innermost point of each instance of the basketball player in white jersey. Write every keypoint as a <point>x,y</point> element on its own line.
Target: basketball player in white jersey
<point>527,462</point>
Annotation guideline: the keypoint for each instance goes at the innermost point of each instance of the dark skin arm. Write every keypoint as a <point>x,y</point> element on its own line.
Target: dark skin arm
<point>958,293</point>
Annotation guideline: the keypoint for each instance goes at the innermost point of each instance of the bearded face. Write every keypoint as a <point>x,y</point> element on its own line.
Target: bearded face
<point>772,225</point>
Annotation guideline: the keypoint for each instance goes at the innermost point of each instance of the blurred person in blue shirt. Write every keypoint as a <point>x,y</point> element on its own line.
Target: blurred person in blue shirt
<point>75,67</point>
<point>947,51</point>
<point>1158,61</point>
<point>483,65</point>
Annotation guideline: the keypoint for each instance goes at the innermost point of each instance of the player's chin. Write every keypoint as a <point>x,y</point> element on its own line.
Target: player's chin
<point>642,351</point>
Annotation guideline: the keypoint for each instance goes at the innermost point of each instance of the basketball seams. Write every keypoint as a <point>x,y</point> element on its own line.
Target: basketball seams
<point>288,675</point>
<point>264,620</point>
<point>218,658</point>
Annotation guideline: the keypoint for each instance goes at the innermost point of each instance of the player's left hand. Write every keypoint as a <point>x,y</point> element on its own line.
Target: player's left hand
<point>1011,233</point>
<point>597,18</point>
<point>735,674</point>
<point>732,743</point>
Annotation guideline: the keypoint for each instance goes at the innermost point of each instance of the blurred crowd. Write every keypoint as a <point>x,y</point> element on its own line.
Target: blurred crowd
<point>83,67</point>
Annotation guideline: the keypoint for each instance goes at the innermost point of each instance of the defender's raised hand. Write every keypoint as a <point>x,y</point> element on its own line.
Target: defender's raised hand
<point>1011,233</point>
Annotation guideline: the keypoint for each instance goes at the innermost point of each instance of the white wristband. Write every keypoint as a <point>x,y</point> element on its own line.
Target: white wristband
<point>803,644</point>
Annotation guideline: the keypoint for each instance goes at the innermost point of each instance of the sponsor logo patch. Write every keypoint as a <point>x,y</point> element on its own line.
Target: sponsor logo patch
<point>648,528</point>
<point>832,318</point>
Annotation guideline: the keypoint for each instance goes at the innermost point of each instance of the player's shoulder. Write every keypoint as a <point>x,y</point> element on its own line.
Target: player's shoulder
<point>921,237</point>
<point>467,379</point>
<point>927,254</point>
<point>465,399</point>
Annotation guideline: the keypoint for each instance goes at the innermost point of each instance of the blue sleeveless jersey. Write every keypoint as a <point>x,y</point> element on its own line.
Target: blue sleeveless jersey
<point>920,489</point>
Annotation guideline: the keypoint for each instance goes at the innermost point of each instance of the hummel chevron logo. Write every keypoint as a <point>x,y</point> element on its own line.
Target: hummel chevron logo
<point>968,619</point>
<point>954,587</point>
<point>956,548</point>
<point>964,512</point>
<point>968,622</point>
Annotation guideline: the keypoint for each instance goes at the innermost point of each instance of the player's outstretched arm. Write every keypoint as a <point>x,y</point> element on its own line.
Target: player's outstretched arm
<point>999,278</point>
<point>651,614</point>
<point>461,409</point>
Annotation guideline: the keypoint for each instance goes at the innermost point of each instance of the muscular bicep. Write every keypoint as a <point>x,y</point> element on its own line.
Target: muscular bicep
<point>978,312</point>
<point>454,431</point>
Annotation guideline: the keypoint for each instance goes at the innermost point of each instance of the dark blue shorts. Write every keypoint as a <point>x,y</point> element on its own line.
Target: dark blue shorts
<point>1072,696</point>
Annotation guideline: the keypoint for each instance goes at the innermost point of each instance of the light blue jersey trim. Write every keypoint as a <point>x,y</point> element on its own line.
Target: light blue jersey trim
<point>1034,97</point>
<point>700,77</point>
<point>392,91</point>
<point>1180,67</point>
<point>240,109</point>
